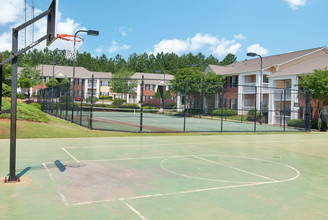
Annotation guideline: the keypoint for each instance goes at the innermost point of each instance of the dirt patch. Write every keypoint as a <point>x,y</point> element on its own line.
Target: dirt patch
<point>24,180</point>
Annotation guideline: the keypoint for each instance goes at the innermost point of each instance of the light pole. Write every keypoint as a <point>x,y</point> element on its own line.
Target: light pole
<point>250,54</point>
<point>0,82</point>
<point>89,32</point>
<point>201,83</point>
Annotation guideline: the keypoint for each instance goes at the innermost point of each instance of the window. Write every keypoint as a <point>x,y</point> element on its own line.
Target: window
<point>47,79</point>
<point>80,82</point>
<point>71,80</point>
<point>224,103</point>
<point>104,93</point>
<point>151,87</point>
<point>104,83</point>
<point>143,97</point>
<point>79,93</point>
<point>234,82</point>
<point>117,96</point>
<point>233,104</point>
<point>265,79</point>
<point>151,97</point>
<point>288,84</point>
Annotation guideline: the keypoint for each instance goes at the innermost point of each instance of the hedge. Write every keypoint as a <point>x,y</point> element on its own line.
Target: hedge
<point>225,112</point>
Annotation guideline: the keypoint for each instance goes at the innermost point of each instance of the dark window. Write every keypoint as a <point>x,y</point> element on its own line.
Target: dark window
<point>234,82</point>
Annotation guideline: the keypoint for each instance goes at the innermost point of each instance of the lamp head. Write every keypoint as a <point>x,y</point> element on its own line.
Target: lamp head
<point>93,32</point>
<point>250,54</point>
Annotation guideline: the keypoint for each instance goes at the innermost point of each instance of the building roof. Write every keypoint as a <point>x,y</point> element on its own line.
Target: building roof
<point>67,71</point>
<point>253,65</point>
<point>152,78</point>
<point>307,66</point>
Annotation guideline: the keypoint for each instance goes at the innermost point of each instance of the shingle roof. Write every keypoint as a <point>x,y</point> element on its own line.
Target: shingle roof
<point>307,66</point>
<point>254,64</point>
<point>80,72</point>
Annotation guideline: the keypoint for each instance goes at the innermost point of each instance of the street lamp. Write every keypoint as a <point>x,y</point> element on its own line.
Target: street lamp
<point>250,54</point>
<point>201,83</point>
<point>89,32</point>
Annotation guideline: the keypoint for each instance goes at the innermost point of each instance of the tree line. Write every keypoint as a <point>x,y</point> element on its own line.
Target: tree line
<point>168,62</point>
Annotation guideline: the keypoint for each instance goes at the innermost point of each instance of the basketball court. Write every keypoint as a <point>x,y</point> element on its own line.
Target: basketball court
<point>268,176</point>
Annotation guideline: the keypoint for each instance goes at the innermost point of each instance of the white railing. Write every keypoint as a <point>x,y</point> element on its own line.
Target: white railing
<point>249,88</point>
<point>279,94</point>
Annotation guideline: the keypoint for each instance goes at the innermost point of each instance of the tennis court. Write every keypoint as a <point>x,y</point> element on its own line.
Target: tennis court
<point>169,121</point>
<point>267,176</point>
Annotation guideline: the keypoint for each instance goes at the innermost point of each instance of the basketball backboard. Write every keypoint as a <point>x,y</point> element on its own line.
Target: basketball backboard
<point>52,22</point>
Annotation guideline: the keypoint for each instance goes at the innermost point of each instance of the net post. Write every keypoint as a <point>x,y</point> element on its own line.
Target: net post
<point>222,96</point>
<point>81,106</point>
<point>142,92</point>
<point>284,109</point>
<point>255,111</point>
<point>308,110</point>
<point>66,99</point>
<point>184,107</point>
<point>91,107</point>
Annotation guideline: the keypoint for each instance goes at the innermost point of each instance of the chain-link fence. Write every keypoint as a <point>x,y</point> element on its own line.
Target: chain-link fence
<point>159,105</point>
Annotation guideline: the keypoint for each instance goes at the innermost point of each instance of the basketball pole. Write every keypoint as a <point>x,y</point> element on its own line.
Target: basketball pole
<point>14,59</point>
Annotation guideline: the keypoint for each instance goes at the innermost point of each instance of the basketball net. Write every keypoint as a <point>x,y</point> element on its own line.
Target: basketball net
<point>68,41</point>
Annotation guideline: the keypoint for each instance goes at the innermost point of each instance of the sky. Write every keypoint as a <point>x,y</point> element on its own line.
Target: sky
<point>217,27</point>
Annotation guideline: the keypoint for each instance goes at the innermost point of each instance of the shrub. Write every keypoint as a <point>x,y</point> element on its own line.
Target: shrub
<point>36,105</point>
<point>35,95</point>
<point>6,90</point>
<point>129,106</point>
<point>314,124</point>
<point>299,123</point>
<point>106,97</point>
<point>251,115</point>
<point>225,112</point>
<point>118,102</point>
<point>168,103</point>
<point>95,99</point>
<point>22,96</point>
<point>152,102</point>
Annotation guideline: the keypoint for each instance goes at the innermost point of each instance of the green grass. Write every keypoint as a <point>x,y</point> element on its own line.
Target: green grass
<point>25,112</point>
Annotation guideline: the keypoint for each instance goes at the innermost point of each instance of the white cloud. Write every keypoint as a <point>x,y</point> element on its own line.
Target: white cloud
<point>99,50</point>
<point>199,40</point>
<point>239,37</point>
<point>257,48</point>
<point>5,39</point>
<point>123,30</point>
<point>115,47</point>
<point>294,4</point>
<point>10,11</point>
<point>213,44</point>
<point>169,46</point>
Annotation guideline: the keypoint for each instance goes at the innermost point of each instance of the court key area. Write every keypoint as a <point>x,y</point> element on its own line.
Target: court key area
<point>267,176</point>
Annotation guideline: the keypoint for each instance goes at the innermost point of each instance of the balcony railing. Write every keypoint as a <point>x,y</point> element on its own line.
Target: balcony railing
<point>279,94</point>
<point>251,87</point>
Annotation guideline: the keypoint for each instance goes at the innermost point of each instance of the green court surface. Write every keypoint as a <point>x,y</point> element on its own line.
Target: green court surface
<point>129,120</point>
<point>266,176</point>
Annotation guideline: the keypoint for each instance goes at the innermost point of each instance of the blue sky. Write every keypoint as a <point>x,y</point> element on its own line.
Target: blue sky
<point>267,27</point>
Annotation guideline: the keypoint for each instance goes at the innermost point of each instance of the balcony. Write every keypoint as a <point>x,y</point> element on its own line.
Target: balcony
<point>279,95</point>
<point>249,88</point>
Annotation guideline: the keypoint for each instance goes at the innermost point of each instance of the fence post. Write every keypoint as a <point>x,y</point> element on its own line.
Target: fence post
<point>91,107</point>
<point>141,99</point>
<point>221,103</point>
<point>308,110</point>
<point>284,109</point>
<point>66,98</point>
<point>81,106</point>
<point>255,111</point>
<point>184,107</point>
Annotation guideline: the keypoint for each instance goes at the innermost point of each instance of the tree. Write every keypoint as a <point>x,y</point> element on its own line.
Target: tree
<point>317,83</point>
<point>29,77</point>
<point>229,59</point>
<point>120,83</point>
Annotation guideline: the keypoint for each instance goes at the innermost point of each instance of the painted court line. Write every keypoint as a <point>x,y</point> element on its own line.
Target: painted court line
<point>135,211</point>
<point>235,168</point>
<point>173,193</point>
<point>63,198</point>
<point>70,155</point>
<point>192,143</point>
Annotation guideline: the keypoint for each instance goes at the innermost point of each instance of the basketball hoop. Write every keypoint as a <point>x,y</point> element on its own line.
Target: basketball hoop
<point>68,41</point>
